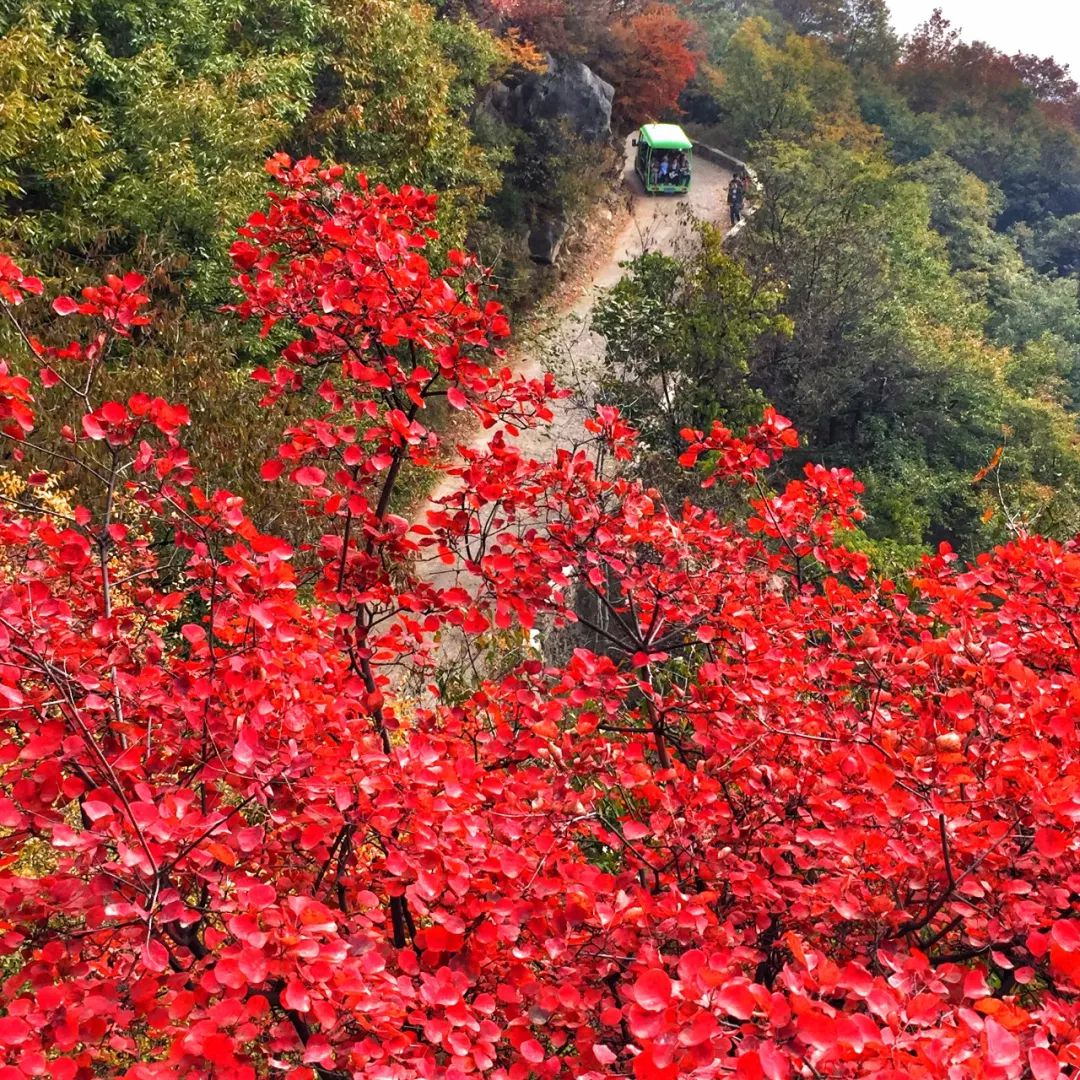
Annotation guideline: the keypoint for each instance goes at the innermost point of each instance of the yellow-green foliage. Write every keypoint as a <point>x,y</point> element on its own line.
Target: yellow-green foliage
<point>142,128</point>
<point>134,135</point>
<point>403,82</point>
<point>51,151</point>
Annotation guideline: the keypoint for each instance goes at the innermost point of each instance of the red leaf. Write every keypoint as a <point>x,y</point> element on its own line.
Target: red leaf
<point>64,305</point>
<point>155,956</point>
<point>254,965</point>
<point>309,476</point>
<point>1002,1046</point>
<point>1066,934</point>
<point>700,1030</point>
<point>1052,843</point>
<point>218,1049</point>
<point>647,1067</point>
<point>817,1030</point>
<point>958,704</point>
<point>295,996</point>
<point>652,990</point>
<point>748,1066</point>
<point>91,427</point>
<point>1044,1065</point>
<point>113,412</point>
<point>14,1030</point>
<point>533,1052</point>
<point>95,809</point>
<point>880,778</point>
<point>736,1000</point>
<point>74,554</point>
<point>975,984</point>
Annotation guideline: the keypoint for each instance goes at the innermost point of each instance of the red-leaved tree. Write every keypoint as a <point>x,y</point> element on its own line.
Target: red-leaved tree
<point>784,820</point>
<point>654,60</point>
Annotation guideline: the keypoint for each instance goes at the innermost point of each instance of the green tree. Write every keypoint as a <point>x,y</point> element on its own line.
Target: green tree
<point>678,338</point>
<point>890,366</point>
<point>1024,307</point>
<point>775,85</point>
<point>52,154</point>
<point>166,113</point>
<point>1012,120</point>
<point>911,135</point>
<point>394,95</point>
<point>1052,245</point>
<point>145,125</point>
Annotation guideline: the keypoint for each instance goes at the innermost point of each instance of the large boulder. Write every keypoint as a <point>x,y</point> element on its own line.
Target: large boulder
<point>567,91</point>
<point>546,237</point>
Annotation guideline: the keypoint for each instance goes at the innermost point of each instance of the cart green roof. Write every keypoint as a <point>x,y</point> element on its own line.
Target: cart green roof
<point>665,137</point>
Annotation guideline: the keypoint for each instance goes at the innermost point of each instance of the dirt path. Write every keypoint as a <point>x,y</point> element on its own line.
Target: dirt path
<point>557,337</point>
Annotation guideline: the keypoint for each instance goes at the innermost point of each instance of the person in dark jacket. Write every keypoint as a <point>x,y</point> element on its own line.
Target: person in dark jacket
<point>735,197</point>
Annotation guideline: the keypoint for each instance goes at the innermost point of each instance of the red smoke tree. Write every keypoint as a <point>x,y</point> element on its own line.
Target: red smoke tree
<point>653,63</point>
<point>784,819</point>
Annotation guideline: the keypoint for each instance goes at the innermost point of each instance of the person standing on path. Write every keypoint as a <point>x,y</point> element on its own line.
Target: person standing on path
<point>735,199</point>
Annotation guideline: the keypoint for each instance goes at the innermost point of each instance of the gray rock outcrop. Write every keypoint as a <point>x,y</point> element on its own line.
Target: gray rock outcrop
<point>568,91</point>
<point>546,237</point>
<point>568,96</point>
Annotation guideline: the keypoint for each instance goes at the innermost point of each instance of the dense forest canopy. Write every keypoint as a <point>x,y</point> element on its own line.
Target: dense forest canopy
<point>920,202</point>
<point>737,739</point>
<point>917,200</point>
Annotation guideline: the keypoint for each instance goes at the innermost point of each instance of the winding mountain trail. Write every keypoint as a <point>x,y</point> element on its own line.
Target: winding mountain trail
<point>558,337</point>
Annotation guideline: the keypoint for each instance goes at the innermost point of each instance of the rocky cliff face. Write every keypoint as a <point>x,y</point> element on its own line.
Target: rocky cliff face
<point>570,97</point>
<point>547,235</point>
<point>568,92</point>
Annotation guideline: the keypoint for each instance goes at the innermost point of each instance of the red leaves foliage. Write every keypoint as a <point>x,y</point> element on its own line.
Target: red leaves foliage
<point>783,819</point>
<point>654,61</point>
<point>117,303</point>
<point>15,286</point>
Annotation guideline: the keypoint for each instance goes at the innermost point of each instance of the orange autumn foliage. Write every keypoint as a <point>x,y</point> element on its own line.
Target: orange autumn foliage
<point>655,62</point>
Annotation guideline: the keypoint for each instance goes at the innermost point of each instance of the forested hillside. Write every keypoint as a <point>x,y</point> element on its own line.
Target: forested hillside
<point>732,734</point>
<point>918,205</point>
<point>136,134</point>
<point>918,212</point>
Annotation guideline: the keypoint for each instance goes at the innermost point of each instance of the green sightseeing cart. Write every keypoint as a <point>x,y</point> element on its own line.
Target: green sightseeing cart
<point>664,158</point>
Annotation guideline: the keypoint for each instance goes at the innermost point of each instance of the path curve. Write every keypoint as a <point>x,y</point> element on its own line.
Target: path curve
<point>557,337</point>
<point>560,339</point>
